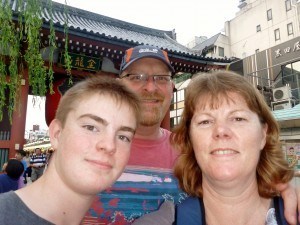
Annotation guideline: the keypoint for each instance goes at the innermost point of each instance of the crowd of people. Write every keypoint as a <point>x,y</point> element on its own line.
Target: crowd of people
<point>225,153</point>
<point>33,165</point>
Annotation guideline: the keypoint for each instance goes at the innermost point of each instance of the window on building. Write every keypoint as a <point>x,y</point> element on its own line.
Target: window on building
<point>258,28</point>
<point>257,51</point>
<point>290,29</point>
<point>290,75</point>
<point>277,34</point>
<point>221,51</point>
<point>288,5</point>
<point>269,14</point>
<point>287,74</point>
<point>180,95</point>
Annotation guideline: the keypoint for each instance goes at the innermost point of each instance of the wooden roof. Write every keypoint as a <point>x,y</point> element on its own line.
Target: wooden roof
<point>97,35</point>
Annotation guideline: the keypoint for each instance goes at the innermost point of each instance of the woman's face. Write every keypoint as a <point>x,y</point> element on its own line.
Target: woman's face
<point>227,141</point>
<point>93,147</point>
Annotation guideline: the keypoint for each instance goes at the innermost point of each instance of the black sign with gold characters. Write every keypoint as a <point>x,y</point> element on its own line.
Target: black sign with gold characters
<point>83,62</point>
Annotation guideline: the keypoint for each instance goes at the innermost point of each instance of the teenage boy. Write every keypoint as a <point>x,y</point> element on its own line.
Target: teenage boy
<point>91,134</point>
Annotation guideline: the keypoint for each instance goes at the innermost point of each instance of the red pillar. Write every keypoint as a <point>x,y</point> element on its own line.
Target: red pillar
<point>19,119</point>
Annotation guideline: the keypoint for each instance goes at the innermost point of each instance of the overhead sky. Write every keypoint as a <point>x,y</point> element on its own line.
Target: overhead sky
<point>189,18</point>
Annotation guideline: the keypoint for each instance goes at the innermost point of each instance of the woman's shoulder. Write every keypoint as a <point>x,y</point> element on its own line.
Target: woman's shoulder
<point>279,210</point>
<point>191,211</point>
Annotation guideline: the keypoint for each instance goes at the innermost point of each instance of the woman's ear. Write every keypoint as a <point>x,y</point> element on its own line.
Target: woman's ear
<point>55,129</point>
<point>264,135</point>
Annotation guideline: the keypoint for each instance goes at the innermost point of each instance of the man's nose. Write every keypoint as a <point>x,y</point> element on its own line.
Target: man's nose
<point>150,84</point>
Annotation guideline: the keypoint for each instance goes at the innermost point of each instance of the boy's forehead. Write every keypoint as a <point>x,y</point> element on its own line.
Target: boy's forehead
<point>94,100</point>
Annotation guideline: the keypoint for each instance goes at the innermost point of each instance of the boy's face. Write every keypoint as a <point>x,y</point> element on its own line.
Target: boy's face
<point>93,148</point>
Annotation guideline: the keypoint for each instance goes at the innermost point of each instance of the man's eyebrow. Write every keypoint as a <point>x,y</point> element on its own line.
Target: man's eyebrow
<point>96,118</point>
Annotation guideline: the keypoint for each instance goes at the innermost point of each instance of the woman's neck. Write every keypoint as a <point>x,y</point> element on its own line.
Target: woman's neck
<point>244,208</point>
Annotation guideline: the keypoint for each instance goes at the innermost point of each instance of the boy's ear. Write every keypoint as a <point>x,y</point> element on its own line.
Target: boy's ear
<point>55,129</point>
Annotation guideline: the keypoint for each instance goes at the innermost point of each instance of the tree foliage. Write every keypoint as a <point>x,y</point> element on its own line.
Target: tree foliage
<point>20,47</point>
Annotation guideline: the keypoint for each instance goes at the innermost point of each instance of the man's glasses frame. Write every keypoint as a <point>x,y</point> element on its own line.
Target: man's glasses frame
<point>143,78</point>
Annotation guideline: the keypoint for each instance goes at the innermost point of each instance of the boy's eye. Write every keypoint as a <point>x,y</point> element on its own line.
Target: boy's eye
<point>90,127</point>
<point>124,138</point>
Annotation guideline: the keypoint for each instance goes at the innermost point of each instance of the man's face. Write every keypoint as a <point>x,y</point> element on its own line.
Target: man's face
<point>18,156</point>
<point>38,152</point>
<point>155,98</point>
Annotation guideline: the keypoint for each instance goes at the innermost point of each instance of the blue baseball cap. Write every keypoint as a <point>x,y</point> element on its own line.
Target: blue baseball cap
<point>144,51</point>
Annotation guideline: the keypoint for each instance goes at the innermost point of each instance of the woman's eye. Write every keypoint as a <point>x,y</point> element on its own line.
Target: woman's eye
<point>90,128</point>
<point>239,119</point>
<point>204,122</point>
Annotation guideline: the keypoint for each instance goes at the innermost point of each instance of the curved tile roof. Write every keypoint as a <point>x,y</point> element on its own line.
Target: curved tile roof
<point>85,22</point>
<point>117,29</point>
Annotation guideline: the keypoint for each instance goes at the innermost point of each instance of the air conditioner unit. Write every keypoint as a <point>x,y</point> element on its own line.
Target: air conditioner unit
<point>282,105</point>
<point>282,93</point>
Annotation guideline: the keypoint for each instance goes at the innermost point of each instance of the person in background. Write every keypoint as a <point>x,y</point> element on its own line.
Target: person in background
<point>20,155</point>
<point>27,172</point>
<point>147,71</point>
<point>9,180</point>
<point>48,157</point>
<point>3,167</point>
<point>91,134</point>
<point>37,164</point>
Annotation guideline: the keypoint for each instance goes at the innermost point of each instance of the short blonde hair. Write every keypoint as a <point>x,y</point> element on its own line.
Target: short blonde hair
<point>102,85</point>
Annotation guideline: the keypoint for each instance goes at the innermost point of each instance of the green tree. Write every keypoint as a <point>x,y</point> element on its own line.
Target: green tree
<point>20,46</point>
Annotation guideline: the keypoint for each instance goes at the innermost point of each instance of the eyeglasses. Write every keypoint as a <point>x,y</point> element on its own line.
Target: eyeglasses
<point>140,79</point>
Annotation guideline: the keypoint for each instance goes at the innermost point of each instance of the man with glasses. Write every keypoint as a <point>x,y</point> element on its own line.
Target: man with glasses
<point>148,181</point>
<point>147,71</point>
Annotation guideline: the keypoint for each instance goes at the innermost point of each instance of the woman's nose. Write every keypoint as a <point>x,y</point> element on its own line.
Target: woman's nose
<point>222,130</point>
